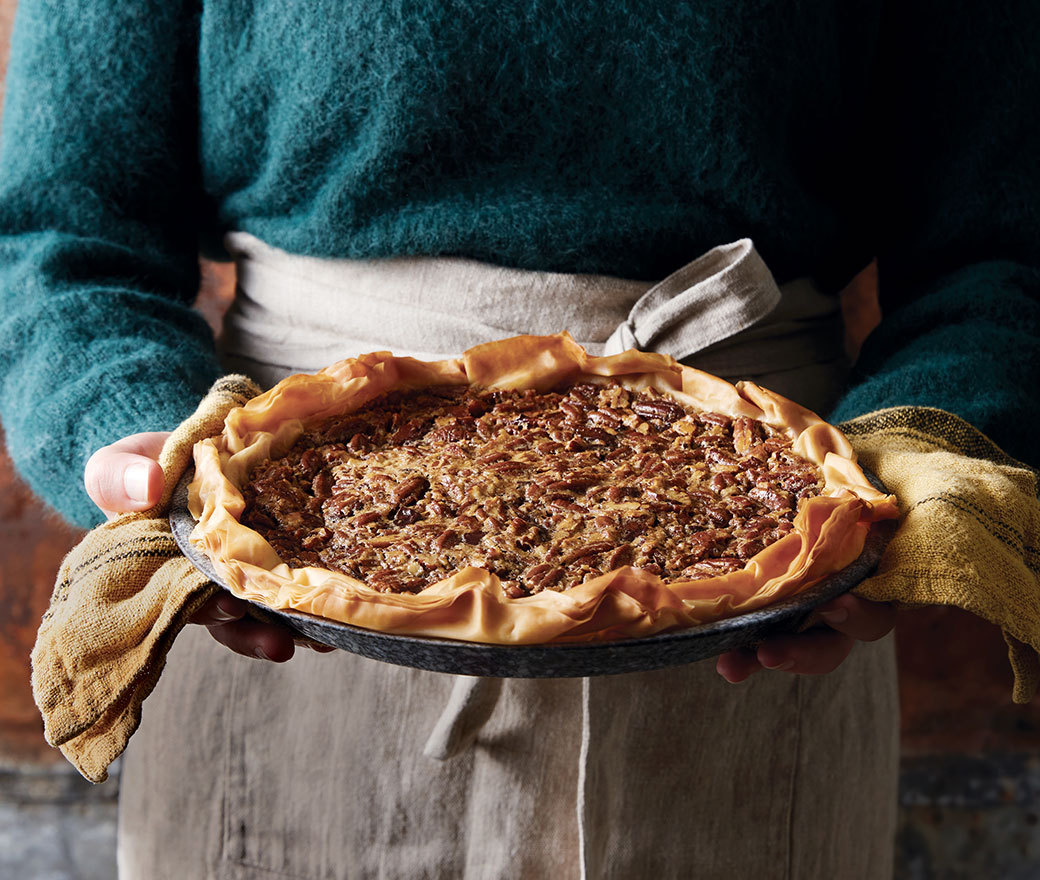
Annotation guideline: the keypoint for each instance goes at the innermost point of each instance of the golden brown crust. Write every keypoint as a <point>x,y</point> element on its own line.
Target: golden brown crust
<point>470,605</point>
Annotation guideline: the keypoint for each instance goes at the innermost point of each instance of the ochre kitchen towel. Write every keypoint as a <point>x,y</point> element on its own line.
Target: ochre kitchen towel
<point>122,595</point>
<point>970,533</point>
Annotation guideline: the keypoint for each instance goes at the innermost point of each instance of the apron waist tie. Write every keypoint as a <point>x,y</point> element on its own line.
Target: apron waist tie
<point>713,298</point>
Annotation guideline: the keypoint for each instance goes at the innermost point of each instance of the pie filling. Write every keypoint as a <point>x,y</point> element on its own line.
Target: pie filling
<point>544,489</point>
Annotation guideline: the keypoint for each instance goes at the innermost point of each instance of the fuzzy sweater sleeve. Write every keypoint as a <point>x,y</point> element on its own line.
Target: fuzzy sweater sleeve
<point>956,220</point>
<point>98,236</point>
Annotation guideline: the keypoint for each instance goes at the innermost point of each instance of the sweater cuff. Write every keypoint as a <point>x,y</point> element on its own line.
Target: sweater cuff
<point>51,440</point>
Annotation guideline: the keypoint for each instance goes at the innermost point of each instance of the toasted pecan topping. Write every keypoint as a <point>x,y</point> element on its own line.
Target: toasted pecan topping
<point>545,489</point>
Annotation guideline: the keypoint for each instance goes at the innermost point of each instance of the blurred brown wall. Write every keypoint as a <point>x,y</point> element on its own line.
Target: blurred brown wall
<point>6,17</point>
<point>31,547</point>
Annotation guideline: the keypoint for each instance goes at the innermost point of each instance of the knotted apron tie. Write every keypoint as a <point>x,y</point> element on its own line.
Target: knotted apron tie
<point>711,299</point>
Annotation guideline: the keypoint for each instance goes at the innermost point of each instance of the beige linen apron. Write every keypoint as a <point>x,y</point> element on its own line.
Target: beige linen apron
<point>335,766</point>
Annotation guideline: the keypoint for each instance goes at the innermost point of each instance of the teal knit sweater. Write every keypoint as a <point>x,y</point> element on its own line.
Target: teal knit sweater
<point>610,136</point>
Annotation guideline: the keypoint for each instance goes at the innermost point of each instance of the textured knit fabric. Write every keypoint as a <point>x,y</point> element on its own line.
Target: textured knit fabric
<point>970,535</point>
<point>618,137</point>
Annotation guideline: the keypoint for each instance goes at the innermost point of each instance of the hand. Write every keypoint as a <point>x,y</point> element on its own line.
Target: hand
<point>224,616</point>
<point>816,651</point>
<point>126,477</point>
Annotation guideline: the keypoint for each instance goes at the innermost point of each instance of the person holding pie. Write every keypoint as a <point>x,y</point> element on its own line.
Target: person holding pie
<point>424,178</point>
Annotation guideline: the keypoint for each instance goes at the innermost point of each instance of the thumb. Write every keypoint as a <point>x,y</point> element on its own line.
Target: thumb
<point>126,476</point>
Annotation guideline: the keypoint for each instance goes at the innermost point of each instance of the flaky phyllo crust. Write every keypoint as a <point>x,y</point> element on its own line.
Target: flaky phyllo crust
<point>829,532</point>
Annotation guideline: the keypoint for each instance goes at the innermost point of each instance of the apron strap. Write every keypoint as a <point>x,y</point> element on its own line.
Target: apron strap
<point>716,296</point>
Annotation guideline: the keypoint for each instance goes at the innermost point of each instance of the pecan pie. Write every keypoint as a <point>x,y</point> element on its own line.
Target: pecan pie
<point>527,492</point>
<point>545,490</point>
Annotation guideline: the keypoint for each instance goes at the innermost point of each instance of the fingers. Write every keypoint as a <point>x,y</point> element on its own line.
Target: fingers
<point>251,638</point>
<point>225,617</point>
<point>863,620</point>
<point>220,609</point>
<point>148,443</point>
<point>126,476</point>
<point>816,651</point>
<point>735,666</point>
